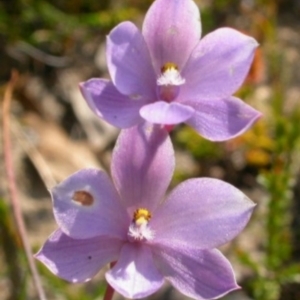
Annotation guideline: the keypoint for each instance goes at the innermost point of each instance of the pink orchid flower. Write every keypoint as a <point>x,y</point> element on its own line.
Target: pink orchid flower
<point>152,238</point>
<point>167,75</point>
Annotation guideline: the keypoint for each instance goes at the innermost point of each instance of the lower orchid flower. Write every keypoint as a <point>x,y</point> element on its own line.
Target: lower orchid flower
<point>151,239</point>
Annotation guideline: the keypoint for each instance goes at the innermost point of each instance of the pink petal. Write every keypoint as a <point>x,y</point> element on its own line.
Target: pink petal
<point>161,112</point>
<point>108,103</point>
<point>135,275</point>
<point>129,62</point>
<point>171,30</point>
<point>203,213</point>
<point>223,119</point>
<point>77,260</point>
<point>218,65</point>
<point>87,205</point>
<point>199,274</point>
<point>142,166</point>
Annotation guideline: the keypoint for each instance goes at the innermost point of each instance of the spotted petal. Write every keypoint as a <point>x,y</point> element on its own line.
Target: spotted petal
<point>171,30</point>
<point>77,260</point>
<point>222,119</point>
<point>199,274</point>
<point>142,165</point>
<point>218,65</point>
<point>135,275</point>
<point>87,205</point>
<point>203,213</point>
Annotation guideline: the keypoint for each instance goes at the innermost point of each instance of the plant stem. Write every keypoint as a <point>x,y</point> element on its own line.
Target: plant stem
<point>12,184</point>
<point>109,290</point>
<point>108,293</point>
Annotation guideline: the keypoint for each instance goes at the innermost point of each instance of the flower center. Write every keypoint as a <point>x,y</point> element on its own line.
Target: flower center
<point>169,81</point>
<point>139,228</point>
<point>170,75</point>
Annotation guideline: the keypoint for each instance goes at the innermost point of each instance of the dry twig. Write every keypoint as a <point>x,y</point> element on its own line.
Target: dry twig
<point>12,184</point>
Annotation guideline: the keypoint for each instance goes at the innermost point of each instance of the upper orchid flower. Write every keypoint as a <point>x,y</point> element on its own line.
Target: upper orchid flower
<point>151,240</point>
<point>167,75</point>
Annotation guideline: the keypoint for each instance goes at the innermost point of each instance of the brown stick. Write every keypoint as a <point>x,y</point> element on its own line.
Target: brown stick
<point>12,184</point>
<point>109,289</point>
<point>108,293</point>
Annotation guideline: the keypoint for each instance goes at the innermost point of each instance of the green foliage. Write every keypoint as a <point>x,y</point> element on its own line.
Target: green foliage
<point>199,147</point>
<point>12,252</point>
<point>40,21</point>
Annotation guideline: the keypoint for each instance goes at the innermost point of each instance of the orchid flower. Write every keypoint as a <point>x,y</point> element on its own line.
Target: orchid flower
<point>152,238</point>
<point>167,75</point>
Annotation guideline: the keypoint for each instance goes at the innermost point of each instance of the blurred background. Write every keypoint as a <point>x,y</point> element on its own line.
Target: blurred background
<point>56,44</point>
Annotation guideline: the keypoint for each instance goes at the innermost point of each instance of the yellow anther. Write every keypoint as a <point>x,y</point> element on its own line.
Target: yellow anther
<point>141,216</point>
<point>139,228</point>
<point>168,66</point>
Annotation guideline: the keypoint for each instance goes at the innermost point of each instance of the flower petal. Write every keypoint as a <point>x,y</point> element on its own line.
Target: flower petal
<point>135,275</point>
<point>77,260</point>
<point>199,274</point>
<point>171,30</point>
<point>108,103</point>
<point>129,62</point>
<point>161,112</point>
<point>218,65</point>
<point>203,213</point>
<point>223,119</point>
<point>87,205</point>
<point>142,166</point>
